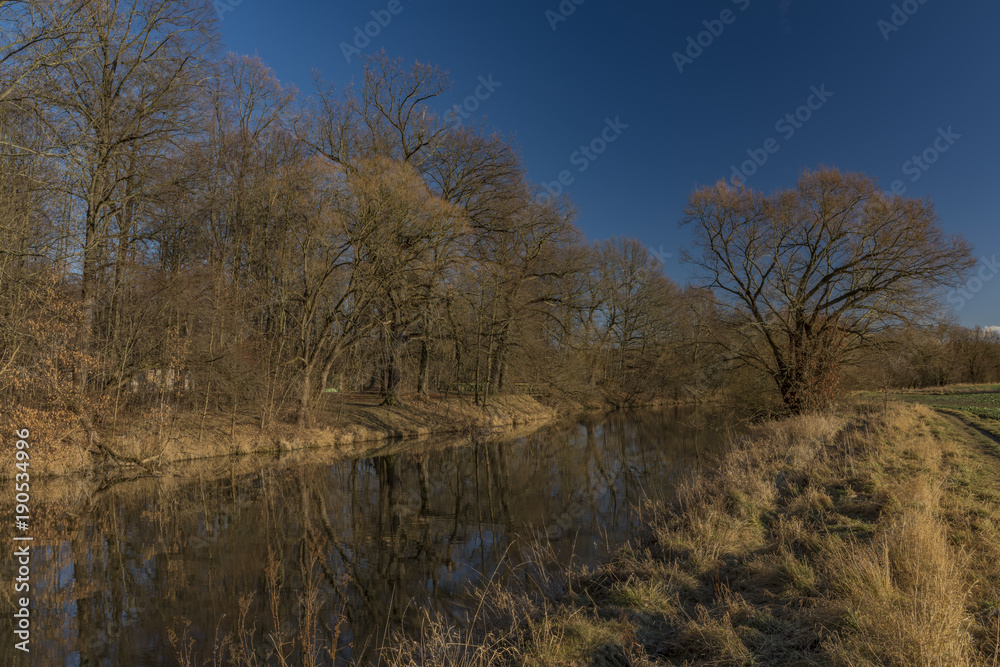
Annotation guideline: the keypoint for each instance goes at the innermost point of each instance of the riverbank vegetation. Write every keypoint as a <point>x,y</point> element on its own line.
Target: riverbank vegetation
<point>864,536</point>
<point>357,426</point>
<point>181,231</point>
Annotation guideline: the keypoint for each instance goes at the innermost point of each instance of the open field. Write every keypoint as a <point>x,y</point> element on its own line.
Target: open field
<point>868,537</point>
<point>979,400</point>
<point>976,404</point>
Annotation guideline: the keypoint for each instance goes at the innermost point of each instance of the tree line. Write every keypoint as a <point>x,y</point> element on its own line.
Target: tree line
<point>183,220</point>
<point>180,225</point>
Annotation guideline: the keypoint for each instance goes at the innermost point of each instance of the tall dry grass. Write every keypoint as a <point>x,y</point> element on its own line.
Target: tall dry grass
<point>906,594</point>
<point>847,511</point>
<point>274,639</point>
<point>825,539</point>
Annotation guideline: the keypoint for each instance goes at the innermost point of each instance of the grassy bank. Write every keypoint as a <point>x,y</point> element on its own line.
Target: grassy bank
<point>63,444</point>
<point>862,538</point>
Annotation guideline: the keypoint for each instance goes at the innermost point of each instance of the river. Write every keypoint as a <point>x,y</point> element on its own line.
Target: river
<point>371,545</point>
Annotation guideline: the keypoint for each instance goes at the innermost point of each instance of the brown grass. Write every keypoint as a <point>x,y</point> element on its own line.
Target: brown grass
<point>273,639</point>
<point>865,538</point>
<point>60,446</point>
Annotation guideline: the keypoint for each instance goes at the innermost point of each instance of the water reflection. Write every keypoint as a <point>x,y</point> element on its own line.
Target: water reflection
<point>116,570</point>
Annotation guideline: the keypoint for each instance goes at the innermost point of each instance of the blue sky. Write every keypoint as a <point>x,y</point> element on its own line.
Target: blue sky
<point>887,82</point>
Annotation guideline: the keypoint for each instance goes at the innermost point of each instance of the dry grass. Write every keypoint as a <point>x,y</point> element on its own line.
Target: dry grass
<point>905,593</point>
<point>847,522</point>
<point>273,639</point>
<point>866,538</point>
<point>62,447</point>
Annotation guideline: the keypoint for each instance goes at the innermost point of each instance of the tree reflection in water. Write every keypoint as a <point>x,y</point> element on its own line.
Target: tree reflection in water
<point>379,540</point>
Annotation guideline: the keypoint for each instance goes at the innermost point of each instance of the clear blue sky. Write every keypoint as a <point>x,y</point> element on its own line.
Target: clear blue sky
<point>892,91</point>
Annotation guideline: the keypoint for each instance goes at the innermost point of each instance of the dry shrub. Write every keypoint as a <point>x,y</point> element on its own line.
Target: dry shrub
<point>445,645</point>
<point>714,641</point>
<point>906,595</point>
<point>721,512</point>
<point>53,451</point>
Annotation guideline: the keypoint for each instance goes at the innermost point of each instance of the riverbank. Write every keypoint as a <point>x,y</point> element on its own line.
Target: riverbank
<point>146,442</point>
<point>869,536</point>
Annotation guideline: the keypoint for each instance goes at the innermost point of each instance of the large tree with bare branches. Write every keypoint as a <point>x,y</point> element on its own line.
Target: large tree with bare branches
<point>808,275</point>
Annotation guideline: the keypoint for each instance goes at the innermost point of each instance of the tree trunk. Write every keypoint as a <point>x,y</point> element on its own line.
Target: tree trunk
<point>305,398</point>
<point>423,374</point>
<point>88,297</point>
<point>792,391</point>
<point>393,371</point>
<point>500,356</point>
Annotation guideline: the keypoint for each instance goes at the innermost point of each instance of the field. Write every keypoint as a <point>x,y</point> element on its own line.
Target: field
<point>977,405</point>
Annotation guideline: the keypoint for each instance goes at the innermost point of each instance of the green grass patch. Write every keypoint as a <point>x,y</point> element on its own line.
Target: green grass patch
<point>981,402</point>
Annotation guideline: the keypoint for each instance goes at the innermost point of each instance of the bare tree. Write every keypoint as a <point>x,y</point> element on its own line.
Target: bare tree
<point>36,35</point>
<point>387,117</point>
<point>805,276</point>
<point>517,260</point>
<point>637,313</point>
<point>386,140</point>
<point>413,241</point>
<point>117,104</point>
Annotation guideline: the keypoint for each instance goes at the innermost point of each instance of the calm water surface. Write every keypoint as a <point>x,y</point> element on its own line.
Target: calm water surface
<point>116,570</point>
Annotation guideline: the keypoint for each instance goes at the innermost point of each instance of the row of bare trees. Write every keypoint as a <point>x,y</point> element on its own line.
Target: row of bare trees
<point>933,357</point>
<point>179,223</point>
